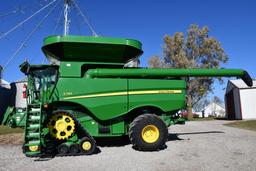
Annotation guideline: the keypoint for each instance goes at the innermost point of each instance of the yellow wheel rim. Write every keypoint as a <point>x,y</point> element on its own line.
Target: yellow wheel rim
<point>61,126</point>
<point>86,145</point>
<point>33,148</point>
<point>150,133</point>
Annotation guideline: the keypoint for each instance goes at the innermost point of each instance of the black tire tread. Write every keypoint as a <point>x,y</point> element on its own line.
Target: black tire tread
<point>133,129</point>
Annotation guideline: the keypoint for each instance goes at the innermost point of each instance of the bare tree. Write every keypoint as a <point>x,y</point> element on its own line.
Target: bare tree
<point>196,50</point>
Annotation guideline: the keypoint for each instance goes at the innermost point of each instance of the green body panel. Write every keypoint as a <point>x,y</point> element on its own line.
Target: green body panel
<point>109,98</point>
<point>95,95</point>
<point>159,96</point>
<point>116,126</point>
<point>78,69</point>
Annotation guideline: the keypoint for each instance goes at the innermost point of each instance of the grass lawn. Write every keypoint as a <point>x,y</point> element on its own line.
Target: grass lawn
<point>250,124</point>
<point>8,130</point>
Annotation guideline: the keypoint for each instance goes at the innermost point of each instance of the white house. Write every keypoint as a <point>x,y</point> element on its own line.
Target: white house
<point>240,100</point>
<point>212,109</point>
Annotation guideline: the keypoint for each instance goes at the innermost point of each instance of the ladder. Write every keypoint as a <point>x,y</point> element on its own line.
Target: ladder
<point>32,137</point>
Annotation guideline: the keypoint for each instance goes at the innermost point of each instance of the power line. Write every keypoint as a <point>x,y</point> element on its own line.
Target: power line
<point>30,35</point>
<point>77,22</point>
<point>21,23</point>
<point>14,10</point>
<point>58,21</point>
<point>85,19</point>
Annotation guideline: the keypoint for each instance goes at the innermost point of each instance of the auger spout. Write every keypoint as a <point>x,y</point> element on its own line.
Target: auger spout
<point>176,73</point>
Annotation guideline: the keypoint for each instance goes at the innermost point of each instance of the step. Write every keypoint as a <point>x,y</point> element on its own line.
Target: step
<point>33,135</point>
<point>34,118</point>
<point>34,110</point>
<point>33,143</point>
<point>34,113</point>
<point>30,153</point>
<point>34,104</point>
<point>33,126</point>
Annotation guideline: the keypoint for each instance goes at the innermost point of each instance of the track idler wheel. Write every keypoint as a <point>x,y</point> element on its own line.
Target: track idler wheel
<point>87,145</point>
<point>63,149</point>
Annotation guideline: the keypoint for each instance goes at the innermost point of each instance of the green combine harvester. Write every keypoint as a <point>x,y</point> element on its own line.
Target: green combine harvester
<point>90,93</point>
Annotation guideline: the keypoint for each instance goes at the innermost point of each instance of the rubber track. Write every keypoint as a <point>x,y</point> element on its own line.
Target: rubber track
<point>80,130</point>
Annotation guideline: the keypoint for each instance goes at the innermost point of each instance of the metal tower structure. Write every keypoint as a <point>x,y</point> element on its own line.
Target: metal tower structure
<point>67,20</point>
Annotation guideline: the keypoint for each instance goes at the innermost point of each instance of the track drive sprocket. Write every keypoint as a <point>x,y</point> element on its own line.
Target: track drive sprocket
<point>61,125</point>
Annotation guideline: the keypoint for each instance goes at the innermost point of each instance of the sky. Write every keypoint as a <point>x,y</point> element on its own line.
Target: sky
<point>233,23</point>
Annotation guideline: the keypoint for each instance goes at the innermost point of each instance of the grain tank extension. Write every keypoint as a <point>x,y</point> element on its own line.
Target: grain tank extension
<point>89,93</point>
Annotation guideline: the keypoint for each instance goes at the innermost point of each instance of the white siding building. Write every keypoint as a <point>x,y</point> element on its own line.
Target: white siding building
<point>5,97</point>
<point>240,100</point>
<point>11,95</point>
<point>19,100</point>
<point>212,109</point>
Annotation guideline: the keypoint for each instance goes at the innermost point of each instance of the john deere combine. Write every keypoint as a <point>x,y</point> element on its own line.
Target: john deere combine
<point>89,93</point>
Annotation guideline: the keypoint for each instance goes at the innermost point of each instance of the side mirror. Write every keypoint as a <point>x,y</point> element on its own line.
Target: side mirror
<point>25,67</point>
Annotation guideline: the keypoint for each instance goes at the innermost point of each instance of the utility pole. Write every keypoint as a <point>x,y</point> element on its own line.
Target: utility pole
<point>1,76</point>
<point>66,18</point>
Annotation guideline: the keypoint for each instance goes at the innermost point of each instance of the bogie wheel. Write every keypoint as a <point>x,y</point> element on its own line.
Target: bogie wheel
<point>74,149</point>
<point>63,149</point>
<point>148,132</point>
<point>87,145</point>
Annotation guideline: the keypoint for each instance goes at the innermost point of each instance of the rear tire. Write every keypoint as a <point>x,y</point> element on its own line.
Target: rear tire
<point>148,132</point>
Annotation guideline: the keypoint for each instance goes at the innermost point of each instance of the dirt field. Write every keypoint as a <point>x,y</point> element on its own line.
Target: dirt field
<point>14,139</point>
<point>198,145</point>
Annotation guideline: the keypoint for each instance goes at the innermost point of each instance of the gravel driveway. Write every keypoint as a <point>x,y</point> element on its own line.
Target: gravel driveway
<point>198,145</point>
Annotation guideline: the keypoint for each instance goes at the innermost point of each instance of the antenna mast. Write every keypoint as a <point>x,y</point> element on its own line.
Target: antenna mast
<point>66,19</point>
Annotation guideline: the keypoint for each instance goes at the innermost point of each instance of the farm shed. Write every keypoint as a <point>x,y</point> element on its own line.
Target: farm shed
<point>5,97</point>
<point>240,100</point>
<point>19,100</point>
<point>11,95</point>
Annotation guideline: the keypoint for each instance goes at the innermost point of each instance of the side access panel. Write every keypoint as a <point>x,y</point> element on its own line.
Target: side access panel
<point>168,95</point>
<point>104,98</point>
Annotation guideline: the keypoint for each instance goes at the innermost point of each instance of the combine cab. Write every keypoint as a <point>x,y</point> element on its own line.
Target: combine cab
<point>87,92</point>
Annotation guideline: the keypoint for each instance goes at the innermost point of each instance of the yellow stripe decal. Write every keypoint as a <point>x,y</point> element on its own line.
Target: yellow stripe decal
<point>126,93</point>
